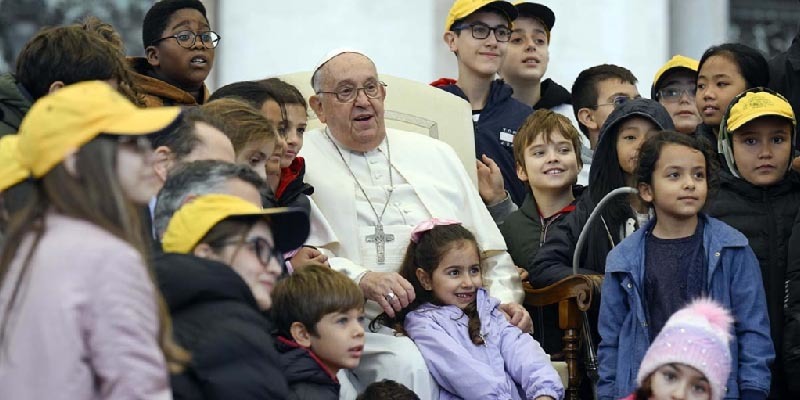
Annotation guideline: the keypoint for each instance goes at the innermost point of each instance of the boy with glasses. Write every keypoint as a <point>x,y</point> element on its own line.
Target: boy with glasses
<point>477,32</point>
<point>674,86</point>
<point>597,91</point>
<point>179,53</point>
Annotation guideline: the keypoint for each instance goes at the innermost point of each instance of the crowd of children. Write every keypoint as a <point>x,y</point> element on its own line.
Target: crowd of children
<point>155,235</point>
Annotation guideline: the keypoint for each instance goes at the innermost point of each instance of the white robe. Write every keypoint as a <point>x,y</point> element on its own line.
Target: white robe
<point>442,188</point>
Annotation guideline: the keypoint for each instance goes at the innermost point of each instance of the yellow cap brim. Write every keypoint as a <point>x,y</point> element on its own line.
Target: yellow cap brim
<point>144,121</point>
<point>756,105</point>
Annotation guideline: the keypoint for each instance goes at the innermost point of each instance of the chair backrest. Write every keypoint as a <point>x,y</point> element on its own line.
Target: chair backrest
<point>416,107</point>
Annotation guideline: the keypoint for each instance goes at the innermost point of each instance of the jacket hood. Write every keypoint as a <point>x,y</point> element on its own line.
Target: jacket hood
<point>185,279</point>
<point>646,108</point>
<point>14,103</point>
<point>553,95</point>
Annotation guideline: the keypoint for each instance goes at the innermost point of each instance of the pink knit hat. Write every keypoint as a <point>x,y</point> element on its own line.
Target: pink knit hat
<point>697,335</point>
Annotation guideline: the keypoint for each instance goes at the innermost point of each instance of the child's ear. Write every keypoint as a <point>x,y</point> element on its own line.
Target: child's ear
<point>300,334</point>
<point>424,279</point>
<point>586,117</point>
<point>449,38</point>
<point>151,54</point>
<point>55,86</point>
<point>521,173</point>
<point>646,192</point>
<point>315,102</point>
<point>203,250</point>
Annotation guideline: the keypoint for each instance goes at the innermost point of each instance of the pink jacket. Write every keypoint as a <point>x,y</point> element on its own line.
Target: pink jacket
<point>85,322</point>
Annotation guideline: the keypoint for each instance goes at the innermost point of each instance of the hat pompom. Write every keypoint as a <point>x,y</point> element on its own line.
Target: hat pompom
<point>705,313</point>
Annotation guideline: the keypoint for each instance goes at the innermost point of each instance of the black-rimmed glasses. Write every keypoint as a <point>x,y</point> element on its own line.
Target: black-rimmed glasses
<point>481,31</point>
<point>346,94</point>
<point>187,39</point>
<point>263,250</point>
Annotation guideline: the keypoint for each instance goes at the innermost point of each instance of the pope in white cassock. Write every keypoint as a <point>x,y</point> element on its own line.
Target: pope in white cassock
<point>372,186</point>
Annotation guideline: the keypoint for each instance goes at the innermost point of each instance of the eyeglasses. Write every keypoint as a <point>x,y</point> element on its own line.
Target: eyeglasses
<point>262,249</point>
<point>616,101</point>
<point>346,94</point>
<point>481,31</point>
<point>674,94</point>
<point>187,39</point>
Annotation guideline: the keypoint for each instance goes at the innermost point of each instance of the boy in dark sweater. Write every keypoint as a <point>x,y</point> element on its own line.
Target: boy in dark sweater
<point>318,313</point>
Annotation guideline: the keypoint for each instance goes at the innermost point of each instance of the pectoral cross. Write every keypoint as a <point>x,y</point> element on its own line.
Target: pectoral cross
<point>380,239</point>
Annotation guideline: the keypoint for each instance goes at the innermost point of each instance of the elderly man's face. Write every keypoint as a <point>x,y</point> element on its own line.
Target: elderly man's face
<point>357,124</point>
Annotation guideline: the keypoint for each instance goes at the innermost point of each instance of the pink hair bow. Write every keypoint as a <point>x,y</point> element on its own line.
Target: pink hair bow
<point>425,226</point>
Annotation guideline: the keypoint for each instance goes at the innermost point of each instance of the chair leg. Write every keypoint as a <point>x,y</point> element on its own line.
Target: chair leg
<point>571,354</point>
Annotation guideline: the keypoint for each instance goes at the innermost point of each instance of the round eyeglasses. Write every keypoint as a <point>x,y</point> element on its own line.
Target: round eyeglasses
<point>346,94</point>
<point>481,31</point>
<point>187,39</point>
<point>264,251</point>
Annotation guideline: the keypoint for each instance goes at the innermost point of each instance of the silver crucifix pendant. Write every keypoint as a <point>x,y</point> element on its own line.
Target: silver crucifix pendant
<point>380,239</point>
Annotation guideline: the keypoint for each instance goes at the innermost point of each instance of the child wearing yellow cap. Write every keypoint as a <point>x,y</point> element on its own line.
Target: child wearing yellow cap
<point>760,196</point>
<point>674,86</point>
<point>477,32</point>
<point>80,314</point>
<point>221,261</point>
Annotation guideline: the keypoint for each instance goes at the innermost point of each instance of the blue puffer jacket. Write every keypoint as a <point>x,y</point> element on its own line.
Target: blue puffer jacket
<point>734,280</point>
<point>500,119</point>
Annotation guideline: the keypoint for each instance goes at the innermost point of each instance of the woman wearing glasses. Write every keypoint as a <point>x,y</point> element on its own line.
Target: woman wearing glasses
<point>179,53</point>
<point>674,86</point>
<point>221,262</point>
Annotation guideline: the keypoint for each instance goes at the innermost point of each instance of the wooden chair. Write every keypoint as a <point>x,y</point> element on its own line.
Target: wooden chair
<point>573,295</point>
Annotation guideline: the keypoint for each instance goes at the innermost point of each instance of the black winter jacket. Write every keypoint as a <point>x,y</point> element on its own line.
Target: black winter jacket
<point>307,378</point>
<point>15,102</point>
<point>500,119</point>
<point>216,318</point>
<point>766,216</point>
<point>554,259</point>
<point>791,329</point>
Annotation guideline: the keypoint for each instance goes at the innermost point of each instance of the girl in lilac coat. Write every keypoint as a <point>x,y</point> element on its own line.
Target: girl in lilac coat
<point>469,346</point>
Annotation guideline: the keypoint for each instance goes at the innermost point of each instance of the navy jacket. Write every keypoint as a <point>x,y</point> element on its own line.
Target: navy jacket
<point>734,280</point>
<point>494,132</point>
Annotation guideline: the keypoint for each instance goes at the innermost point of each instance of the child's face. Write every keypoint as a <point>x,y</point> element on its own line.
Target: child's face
<point>480,56</point>
<point>528,52</point>
<point>188,68</point>
<point>550,165</point>
<point>339,341</point>
<point>608,91</point>
<point>679,185</point>
<point>456,279</point>
<point>632,133</point>
<point>290,130</point>
<point>256,155</point>
<point>718,82</point>
<point>246,260</point>
<point>762,150</point>
<point>678,381</point>
<point>134,169</point>
<point>682,108</point>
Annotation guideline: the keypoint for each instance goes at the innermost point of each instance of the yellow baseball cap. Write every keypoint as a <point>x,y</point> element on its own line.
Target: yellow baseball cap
<point>758,104</point>
<point>677,61</point>
<point>199,215</point>
<point>464,8</point>
<point>11,170</point>
<point>63,121</point>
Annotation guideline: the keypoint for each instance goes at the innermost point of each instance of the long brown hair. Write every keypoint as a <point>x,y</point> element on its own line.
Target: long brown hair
<point>93,194</point>
<point>427,253</point>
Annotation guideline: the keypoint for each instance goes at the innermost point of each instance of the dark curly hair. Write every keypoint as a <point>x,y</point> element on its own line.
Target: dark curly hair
<point>650,152</point>
<point>157,17</point>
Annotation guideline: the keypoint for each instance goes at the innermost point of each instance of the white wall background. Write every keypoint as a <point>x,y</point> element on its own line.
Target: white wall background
<point>403,37</point>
